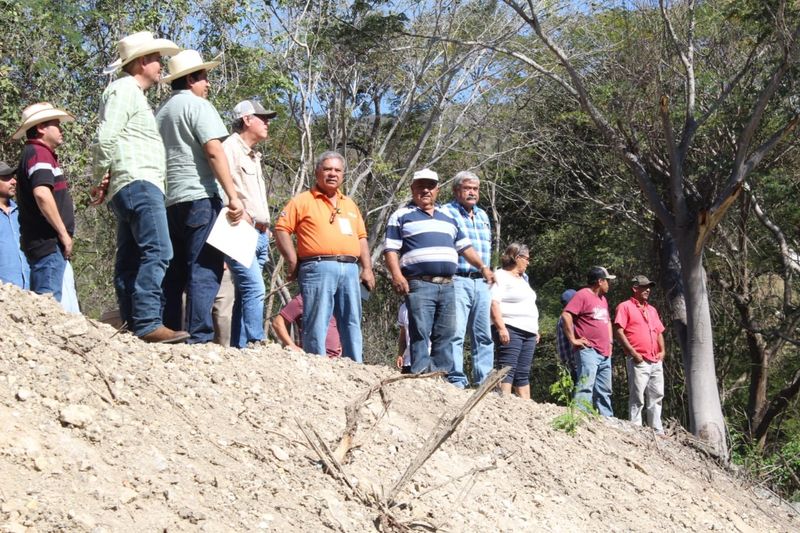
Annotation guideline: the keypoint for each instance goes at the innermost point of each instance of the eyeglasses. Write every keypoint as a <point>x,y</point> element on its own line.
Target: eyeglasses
<point>335,212</point>
<point>8,177</point>
<point>525,257</point>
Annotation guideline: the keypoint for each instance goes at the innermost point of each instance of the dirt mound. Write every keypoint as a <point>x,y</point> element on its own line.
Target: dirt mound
<point>101,432</point>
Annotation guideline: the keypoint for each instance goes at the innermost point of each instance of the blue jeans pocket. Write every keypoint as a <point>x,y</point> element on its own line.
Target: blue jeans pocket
<point>200,214</point>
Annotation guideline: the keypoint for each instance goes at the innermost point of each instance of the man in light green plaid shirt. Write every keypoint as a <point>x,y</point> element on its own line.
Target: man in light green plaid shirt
<point>130,161</point>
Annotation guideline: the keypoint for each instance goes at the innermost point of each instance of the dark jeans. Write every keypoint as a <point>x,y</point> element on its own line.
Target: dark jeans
<point>431,319</point>
<point>196,268</point>
<point>143,253</point>
<point>518,354</point>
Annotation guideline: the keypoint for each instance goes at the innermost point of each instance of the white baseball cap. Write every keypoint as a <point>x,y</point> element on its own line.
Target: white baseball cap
<point>425,174</point>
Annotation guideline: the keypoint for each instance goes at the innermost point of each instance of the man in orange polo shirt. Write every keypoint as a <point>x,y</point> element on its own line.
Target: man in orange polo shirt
<point>331,240</point>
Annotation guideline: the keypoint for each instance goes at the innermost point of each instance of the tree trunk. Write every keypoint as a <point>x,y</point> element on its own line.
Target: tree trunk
<point>705,410</point>
<point>672,284</point>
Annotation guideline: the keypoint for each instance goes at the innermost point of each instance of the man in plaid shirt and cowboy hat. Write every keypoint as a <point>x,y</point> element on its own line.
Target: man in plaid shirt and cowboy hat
<point>130,160</point>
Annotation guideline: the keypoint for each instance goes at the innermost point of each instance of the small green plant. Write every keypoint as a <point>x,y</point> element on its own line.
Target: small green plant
<point>562,391</point>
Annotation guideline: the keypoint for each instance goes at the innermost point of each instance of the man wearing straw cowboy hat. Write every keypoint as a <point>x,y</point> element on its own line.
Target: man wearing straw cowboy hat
<point>129,158</point>
<point>46,211</point>
<point>192,129</point>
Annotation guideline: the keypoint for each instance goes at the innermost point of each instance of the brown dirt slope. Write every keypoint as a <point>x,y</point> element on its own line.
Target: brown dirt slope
<point>104,433</point>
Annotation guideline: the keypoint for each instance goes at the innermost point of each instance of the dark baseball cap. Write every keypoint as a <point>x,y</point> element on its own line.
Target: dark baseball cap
<point>597,273</point>
<point>642,281</point>
<point>567,295</point>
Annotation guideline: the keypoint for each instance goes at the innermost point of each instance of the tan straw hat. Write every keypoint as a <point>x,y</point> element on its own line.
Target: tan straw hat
<point>38,113</point>
<point>186,62</point>
<point>138,45</point>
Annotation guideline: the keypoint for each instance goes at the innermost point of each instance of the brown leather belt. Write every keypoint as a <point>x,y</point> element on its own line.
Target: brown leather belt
<point>261,226</point>
<point>338,258</point>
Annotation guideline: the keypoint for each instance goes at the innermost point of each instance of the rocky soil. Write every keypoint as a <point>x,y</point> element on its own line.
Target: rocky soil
<point>101,432</point>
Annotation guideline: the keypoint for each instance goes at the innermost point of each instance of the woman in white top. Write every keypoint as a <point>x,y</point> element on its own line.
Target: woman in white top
<point>515,320</point>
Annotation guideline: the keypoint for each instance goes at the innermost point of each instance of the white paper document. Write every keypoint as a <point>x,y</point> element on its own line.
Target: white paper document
<point>237,242</point>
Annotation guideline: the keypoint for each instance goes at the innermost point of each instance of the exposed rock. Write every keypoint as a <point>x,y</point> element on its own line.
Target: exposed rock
<point>78,416</point>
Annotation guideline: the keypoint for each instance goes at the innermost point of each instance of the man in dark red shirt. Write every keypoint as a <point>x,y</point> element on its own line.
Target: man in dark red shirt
<point>292,313</point>
<point>639,330</point>
<point>46,211</point>
<point>587,326</point>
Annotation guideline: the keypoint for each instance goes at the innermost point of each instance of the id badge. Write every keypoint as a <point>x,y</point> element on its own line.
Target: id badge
<point>344,225</point>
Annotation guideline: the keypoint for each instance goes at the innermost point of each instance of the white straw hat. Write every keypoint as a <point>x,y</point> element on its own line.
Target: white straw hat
<point>186,62</point>
<point>36,114</point>
<point>138,45</point>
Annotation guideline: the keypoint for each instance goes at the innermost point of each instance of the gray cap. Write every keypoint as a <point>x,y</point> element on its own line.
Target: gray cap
<point>6,170</point>
<point>251,107</point>
<point>642,281</point>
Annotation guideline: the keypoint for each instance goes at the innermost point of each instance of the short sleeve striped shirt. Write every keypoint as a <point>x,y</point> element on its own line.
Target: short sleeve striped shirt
<point>428,244</point>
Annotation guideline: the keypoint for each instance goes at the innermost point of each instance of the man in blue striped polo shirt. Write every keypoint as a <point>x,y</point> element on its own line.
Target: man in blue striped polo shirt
<point>473,300</point>
<point>422,247</point>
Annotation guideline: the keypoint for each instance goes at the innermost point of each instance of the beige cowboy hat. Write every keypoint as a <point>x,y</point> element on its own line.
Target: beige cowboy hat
<point>36,114</point>
<point>138,45</point>
<point>186,62</point>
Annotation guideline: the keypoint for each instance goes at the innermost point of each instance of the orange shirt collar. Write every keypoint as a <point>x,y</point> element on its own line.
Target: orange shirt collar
<point>318,193</point>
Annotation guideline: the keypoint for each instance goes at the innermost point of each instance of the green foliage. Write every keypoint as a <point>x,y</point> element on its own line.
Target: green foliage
<point>562,391</point>
<point>779,469</point>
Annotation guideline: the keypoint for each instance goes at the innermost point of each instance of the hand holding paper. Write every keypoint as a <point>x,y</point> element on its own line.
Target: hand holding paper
<point>236,241</point>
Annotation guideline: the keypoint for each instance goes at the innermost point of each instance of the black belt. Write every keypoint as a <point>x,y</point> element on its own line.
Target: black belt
<point>439,280</point>
<point>338,258</point>
<point>470,275</point>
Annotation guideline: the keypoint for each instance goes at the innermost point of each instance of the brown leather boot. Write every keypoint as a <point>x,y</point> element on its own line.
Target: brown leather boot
<point>165,335</point>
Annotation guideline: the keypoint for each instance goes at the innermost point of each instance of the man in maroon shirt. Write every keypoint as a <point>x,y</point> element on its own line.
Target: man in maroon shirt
<point>639,330</point>
<point>46,211</point>
<point>587,326</point>
<point>292,313</point>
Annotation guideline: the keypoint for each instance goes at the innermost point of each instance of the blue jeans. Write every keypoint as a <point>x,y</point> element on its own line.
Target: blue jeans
<point>472,305</point>
<point>431,319</point>
<point>594,381</point>
<point>247,323</point>
<point>196,268</point>
<point>143,254</point>
<point>47,274</point>
<point>518,354</point>
<point>331,288</point>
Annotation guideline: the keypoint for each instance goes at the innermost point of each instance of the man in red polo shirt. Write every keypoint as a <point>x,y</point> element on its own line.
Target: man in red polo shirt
<point>639,330</point>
